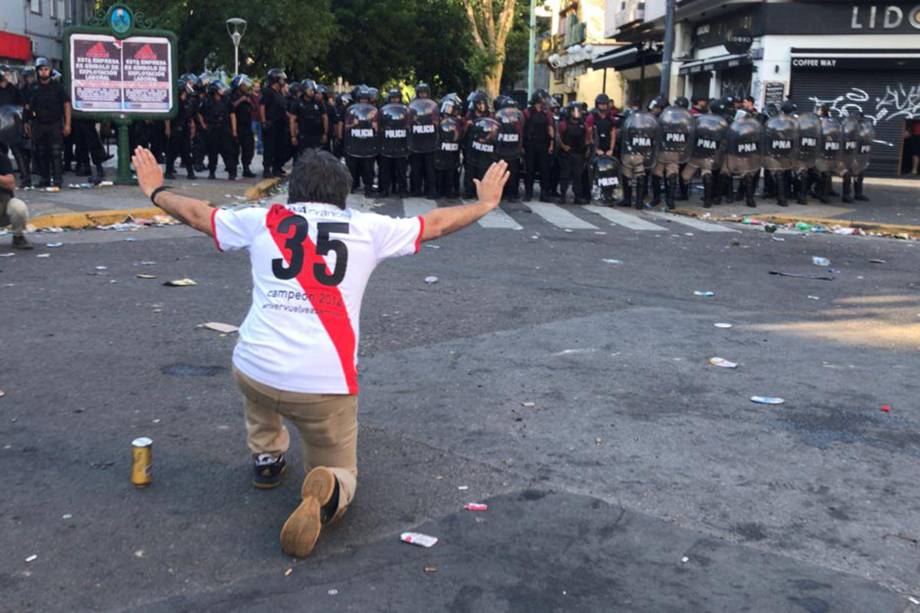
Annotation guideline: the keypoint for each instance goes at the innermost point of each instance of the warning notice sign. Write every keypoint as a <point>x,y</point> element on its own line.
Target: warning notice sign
<point>132,75</point>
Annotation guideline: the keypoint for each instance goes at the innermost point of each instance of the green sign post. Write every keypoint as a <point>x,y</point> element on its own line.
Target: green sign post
<point>120,68</point>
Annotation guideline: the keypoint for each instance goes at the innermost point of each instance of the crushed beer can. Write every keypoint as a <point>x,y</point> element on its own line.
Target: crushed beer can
<point>142,461</point>
<point>476,506</point>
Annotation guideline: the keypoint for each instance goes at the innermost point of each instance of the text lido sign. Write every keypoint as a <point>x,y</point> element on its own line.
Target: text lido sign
<point>127,75</point>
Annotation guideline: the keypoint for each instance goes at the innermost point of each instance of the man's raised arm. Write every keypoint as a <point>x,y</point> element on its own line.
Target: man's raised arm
<point>443,221</point>
<point>196,213</point>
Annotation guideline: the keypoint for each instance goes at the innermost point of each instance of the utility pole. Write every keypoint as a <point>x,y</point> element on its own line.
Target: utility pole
<point>668,51</point>
<point>531,48</point>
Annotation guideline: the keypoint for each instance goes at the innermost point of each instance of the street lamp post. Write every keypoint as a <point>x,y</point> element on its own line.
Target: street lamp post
<point>236,27</point>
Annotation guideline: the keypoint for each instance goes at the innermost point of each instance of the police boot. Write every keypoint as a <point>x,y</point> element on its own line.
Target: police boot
<point>100,172</point>
<point>248,174</point>
<point>191,173</point>
<point>528,193</point>
<point>84,170</point>
<point>822,188</point>
<point>656,191</point>
<point>749,186</point>
<point>858,189</point>
<point>627,194</point>
<point>803,189</point>
<point>57,171</point>
<point>779,183</point>
<point>683,191</point>
<point>563,192</point>
<point>670,191</point>
<point>639,201</point>
<point>727,189</point>
<point>170,173</point>
<point>847,188</point>
<point>830,186</point>
<point>707,191</point>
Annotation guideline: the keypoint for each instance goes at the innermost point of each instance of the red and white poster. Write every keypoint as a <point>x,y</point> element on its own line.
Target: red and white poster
<point>132,75</point>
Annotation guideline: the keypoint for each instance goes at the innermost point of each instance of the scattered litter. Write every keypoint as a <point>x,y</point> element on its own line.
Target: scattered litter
<point>180,283</point>
<point>332,592</point>
<point>66,516</point>
<point>417,538</point>
<point>722,325</point>
<point>43,255</point>
<point>476,506</point>
<point>2,393</point>
<point>705,294</point>
<point>143,276</point>
<point>770,228</point>
<point>219,327</point>
<point>535,237</point>
<point>801,226</point>
<point>463,488</point>
<point>53,245</point>
<point>601,233</point>
<point>288,572</point>
<point>430,569</point>
<point>798,276</point>
<point>886,408</point>
<point>779,239</point>
<point>32,558</point>
<point>569,230</point>
<point>688,233</point>
<point>102,267</point>
<point>814,298</point>
<point>130,239</point>
<point>685,559</point>
<point>571,351</point>
<point>877,261</point>
<point>735,242</point>
<point>819,261</point>
<point>528,404</point>
<point>7,255</point>
<point>767,400</point>
<point>612,261</point>
<point>139,553</point>
<point>146,263</point>
<point>432,246</point>
<point>722,363</point>
<point>913,600</point>
<point>598,441</point>
<point>430,280</point>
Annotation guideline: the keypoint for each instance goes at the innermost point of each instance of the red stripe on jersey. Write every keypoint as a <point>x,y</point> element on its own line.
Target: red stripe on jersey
<point>334,317</point>
<point>421,230</point>
<point>214,229</point>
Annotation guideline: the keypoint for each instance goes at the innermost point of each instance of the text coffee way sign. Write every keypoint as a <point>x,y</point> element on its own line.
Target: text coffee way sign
<point>130,75</point>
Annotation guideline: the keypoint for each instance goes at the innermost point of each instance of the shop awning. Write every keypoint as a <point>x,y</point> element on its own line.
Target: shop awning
<point>720,62</point>
<point>15,47</point>
<point>627,56</point>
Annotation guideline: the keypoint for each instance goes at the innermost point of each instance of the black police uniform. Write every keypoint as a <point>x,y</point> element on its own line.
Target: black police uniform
<point>243,105</point>
<point>274,145</point>
<point>46,106</point>
<point>536,151</point>
<point>216,114</point>
<point>310,114</point>
<point>572,162</point>
<point>10,95</point>
<point>180,137</point>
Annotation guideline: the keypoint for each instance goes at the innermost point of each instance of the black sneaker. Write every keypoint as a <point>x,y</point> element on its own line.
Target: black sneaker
<point>21,242</point>
<point>268,470</point>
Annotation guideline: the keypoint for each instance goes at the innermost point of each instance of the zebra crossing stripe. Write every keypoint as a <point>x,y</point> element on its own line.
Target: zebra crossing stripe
<point>627,220</point>
<point>497,218</point>
<point>360,203</point>
<point>558,216</point>
<point>416,207</point>
<point>703,226</point>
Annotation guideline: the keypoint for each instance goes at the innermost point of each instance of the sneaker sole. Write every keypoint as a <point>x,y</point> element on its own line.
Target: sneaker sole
<point>300,531</point>
<point>319,485</point>
<point>269,486</point>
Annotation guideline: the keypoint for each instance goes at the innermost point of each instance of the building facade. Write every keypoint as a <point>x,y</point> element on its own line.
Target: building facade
<point>34,28</point>
<point>852,56</point>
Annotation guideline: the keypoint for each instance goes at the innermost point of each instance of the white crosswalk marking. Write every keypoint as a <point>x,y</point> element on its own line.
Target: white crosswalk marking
<point>624,219</point>
<point>360,203</point>
<point>497,218</point>
<point>558,216</point>
<point>703,226</point>
<point>418,206</point>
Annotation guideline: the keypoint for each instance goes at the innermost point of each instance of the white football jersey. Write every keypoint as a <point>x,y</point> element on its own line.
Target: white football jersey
<point>310,266</point>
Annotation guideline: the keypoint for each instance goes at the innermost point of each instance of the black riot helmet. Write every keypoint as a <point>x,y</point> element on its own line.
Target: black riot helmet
<point>6,74</point>
<point>771,110</point>
<point>450,105</point>
<point>715,106</point>
<point>477,98</point>
<point>601,99</point>
<point>241,81</point>
<point>28,72</point>
<point>362,94</point>
<point>392,93</point>
<point>344,99</point>
<point>322,90</point>
<point>375,93</point>
<point>295,90</point>
<point>41,62</point>
<point>276,75</point>
<point>682,102</point>
<point>309,87</point>
<point>657,104</point>
<point>538,97</point>
<point>188,82</point>
<point>218,87</point>
<point>575,110</point>
<point>422,90</point>
<point>502,102</point>
<point>789,107</point>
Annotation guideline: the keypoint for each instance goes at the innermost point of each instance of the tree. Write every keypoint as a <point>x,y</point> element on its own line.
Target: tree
<point>490,22</point>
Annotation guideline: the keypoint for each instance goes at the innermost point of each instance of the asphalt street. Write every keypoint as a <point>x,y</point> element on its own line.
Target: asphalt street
<point>557,370</point>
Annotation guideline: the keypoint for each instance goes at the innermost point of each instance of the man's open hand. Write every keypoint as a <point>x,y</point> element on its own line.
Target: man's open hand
<point>149,173</point>
<point>489,188</point>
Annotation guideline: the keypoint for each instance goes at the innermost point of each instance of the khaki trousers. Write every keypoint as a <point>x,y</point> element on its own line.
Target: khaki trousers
<point>328,426</point>
<point>14,212</point>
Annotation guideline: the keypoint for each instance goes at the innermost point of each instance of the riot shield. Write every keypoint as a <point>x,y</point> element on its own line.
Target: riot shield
<point>829,145</point>
<point>511,133</point>
<point>360,131</point>
<point>675,135</point>
<point>394,130</point>
<point>483,142</point>
<point>780,141</point>
<point>639,138</point>
<point>809,128</point>
<point>606,172</point>
<point>709,141</point>
<point>849,134</point>
<point>450,135</point>
<point>423,125</point>
<point>10,125</point>
<point>865,135</point>
<point>745,146</point>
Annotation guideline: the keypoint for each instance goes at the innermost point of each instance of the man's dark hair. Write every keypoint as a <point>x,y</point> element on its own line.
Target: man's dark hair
<point>318,176</point>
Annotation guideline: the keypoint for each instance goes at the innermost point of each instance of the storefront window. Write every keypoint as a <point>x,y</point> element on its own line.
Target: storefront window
<point>35,6</point>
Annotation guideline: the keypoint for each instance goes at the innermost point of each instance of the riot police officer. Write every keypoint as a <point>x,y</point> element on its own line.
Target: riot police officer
<point>573,142</point>
<point>640,131</point>
<point>11,96</point>
<point>781,139</point>
<point>450,137</point>
<point>361,146</point>
<point>394,145</point>
<point>510,146</point>
<point>601,126</point>
<point>49,109</point>
<point>219,124</point>
<point>808,126</point>
<point>865,136</point>
<point>243,102</point>
<point>539,136</point>
<point>180,130</point>
<point>708,150</point>
<point>423,142</point>
<point>309,119</point>
<point>830,151</point>
<point>274,119</point>
<point>744,156</point>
